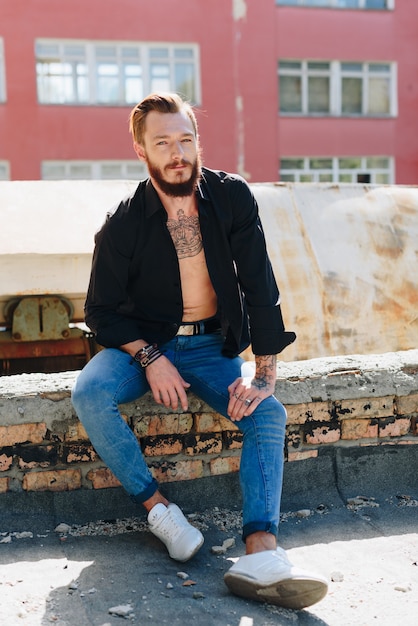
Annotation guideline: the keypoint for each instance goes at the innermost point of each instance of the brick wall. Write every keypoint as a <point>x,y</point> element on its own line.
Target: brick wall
<point>335,401</point>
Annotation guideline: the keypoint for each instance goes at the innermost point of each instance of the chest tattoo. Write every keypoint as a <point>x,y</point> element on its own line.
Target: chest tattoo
<point>185,233</point>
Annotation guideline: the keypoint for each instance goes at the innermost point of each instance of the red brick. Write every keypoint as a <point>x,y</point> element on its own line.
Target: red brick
<point>212,423</point>
<point>394,427</point>
<point>359,429</point>
<point>319,434</point>
<point>301,455</point>
<point>364,408</point>
<point>5,462</point>
<point>160,446</point>
<point>407,405</point>
<point>224,465</point>
<point>171,471</point>
<point>102,478</point>
<point>80,454</point>
<point>203,444</point>
<point>232,440</point>
<point>308,412</point>
<point>293,436</point>
<point>57,480</point>
<point>4,485</point>
<point>171,424</point>
<point>76,432</point>
<point>22,433</point>
<point>30,457</point>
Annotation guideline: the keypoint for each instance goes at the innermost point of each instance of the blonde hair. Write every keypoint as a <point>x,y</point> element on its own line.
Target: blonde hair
<point>162,103</point>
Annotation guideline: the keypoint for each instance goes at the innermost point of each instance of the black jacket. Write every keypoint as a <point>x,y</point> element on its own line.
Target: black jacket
<point>135,292</point>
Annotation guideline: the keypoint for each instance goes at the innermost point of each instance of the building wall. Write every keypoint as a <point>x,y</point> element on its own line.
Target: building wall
<point>240,43</point>
<point>355,35</point>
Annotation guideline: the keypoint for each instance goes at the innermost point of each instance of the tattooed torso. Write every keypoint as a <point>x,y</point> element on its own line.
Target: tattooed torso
<point>199,298</point>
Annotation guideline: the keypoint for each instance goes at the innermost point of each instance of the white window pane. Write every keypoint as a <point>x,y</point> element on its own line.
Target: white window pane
<point>53,171</point>
<point>325,178</point>
<point>320,164</point>
<point>158,53</point>
<point>184,80</point>
<point>318,94</point>
<point>291,164</point>
<point>112,171</point>
<point>80,171</point>
<point>379,100</point>
<point>382,179</point>
<point>351,96</point>
<point>377,163</point>
<point>4,170</point>
<point>290,94</point>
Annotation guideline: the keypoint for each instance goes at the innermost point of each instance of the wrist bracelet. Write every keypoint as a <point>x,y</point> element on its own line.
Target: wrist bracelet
<point>147,355</point>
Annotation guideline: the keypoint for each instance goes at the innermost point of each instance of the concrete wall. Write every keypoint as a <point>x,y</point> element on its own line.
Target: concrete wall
<point>340,402</point>
<point>344,256</point>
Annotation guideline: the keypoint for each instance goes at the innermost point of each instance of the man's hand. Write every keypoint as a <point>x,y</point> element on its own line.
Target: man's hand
<point>245,394</point>
<point>167,386</point>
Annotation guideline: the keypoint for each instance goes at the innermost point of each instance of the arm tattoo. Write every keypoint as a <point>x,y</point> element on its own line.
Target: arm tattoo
<point>185,233</point>
<point>265,371</point>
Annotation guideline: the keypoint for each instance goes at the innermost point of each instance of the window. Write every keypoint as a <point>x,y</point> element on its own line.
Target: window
<point>341,4</point>
<point>78,72</point>
<point>93,170</point>
<point>4,170</point>
<point>337,88</point>
<point>2,73</point>
<point>377,170</point>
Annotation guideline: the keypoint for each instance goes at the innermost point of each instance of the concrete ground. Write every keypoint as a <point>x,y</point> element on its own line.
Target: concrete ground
<point>351,515</point>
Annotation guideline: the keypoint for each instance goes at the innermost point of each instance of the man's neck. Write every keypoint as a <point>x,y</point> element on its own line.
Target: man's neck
<point>174,204</point>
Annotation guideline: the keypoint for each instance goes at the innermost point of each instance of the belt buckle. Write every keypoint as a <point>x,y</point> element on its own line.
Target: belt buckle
<point>186,329</point>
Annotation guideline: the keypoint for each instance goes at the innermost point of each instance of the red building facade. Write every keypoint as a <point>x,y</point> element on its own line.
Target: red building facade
<point>285,89</point>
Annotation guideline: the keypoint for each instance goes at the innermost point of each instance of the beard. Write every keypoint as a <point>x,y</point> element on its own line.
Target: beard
<point>182,188</point>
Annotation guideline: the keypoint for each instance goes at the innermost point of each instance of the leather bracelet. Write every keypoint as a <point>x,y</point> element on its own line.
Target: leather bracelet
<point>146,355</point>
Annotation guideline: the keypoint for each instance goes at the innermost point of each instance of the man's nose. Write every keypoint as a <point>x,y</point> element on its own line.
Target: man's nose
<point>178,151</point>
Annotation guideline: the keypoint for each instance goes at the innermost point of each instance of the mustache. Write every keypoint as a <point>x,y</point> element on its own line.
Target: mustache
<point>177,163</point>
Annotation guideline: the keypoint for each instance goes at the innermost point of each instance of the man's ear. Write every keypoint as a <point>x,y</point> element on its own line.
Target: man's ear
<point>140,152</point>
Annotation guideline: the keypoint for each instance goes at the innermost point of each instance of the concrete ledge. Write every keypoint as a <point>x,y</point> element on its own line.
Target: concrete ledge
<point>337,408</point>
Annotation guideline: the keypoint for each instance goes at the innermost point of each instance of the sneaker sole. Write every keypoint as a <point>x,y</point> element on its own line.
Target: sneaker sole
<point>293,593</point>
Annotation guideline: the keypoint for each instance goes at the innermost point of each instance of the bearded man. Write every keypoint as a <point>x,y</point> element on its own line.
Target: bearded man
<point>181,283</point>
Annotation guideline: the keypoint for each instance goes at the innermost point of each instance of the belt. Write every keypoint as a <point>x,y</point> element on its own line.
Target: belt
<point>203,327</point>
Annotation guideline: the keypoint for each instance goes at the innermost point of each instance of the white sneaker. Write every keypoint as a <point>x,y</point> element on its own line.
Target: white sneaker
<point>269,576</point>
<point>181,539</point>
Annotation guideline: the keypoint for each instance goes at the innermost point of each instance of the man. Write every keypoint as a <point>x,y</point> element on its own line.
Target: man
<point>180,284</point>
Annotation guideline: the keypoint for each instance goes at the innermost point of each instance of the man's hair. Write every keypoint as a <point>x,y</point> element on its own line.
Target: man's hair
<point>162,103</point>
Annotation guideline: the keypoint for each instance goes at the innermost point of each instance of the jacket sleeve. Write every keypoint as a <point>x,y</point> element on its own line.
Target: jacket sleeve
<point>255,273</point>
<point>108,284</point>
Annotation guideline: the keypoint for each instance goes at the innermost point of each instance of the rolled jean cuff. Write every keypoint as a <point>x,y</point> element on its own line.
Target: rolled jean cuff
<point>139,498</point>
<point>255,527</point>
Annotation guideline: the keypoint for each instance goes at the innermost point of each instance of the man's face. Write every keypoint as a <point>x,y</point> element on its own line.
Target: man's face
<point>171,152</point>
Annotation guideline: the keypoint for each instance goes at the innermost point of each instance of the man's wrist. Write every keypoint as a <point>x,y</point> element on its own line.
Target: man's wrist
<point>147,355</point>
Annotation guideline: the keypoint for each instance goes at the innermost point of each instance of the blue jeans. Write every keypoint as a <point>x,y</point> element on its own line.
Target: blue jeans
<point>112,377</point>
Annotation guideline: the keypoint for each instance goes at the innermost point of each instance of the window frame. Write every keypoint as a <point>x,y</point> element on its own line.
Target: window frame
<point>336,171</point>
<point>335,4</point>
<point>66,59</point>
<point>4,167</point>
<point>337,74</point>
<point>96,169</point>
<point>3,93</point>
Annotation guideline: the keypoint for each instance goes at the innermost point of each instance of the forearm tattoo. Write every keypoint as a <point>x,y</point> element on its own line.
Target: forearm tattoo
<point>265,371</point>
<point>185,233</point>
